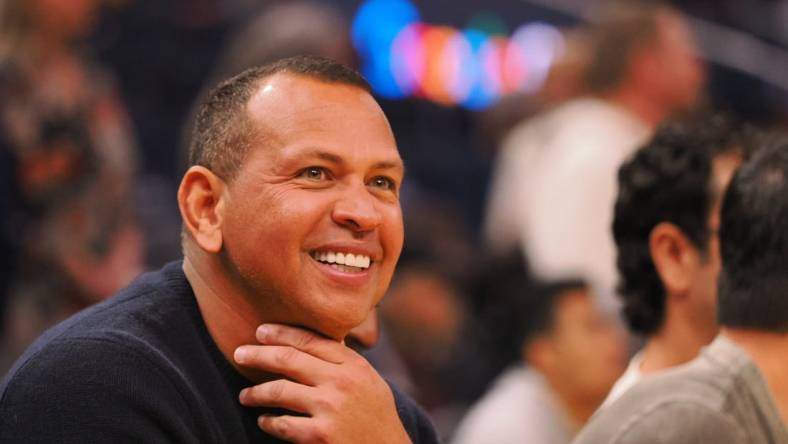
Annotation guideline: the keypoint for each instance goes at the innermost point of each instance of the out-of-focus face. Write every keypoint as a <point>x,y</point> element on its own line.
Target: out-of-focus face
<point>312,225</point>
<point>423,317</point>
<point>64,18</point>
<point>704,283</point>
<point>588,350</point>
<point>682,73</point>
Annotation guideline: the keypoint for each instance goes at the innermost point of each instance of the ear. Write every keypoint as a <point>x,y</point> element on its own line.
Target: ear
<point>201,201</point>
<point>674,257</point>
<point>538,353</point>
<point>644,66</point>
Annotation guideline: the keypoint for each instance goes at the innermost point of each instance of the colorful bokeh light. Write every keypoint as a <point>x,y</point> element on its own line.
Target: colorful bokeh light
<point>405,57</point>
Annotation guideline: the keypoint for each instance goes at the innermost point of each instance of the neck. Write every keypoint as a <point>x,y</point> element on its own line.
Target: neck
<point>579,407</point>
<point>678,341</point>
<point>230,320</point>
<point>768,351</point>
<point>650,112</point>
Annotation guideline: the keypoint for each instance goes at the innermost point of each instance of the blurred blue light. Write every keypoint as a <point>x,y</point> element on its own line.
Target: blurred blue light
<point>376,25</point>
<point>481,94</point>
<point>464,73</point>
<point>407,59</point>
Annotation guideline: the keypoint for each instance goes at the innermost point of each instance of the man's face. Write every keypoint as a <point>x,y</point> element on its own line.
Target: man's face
<point>704,285</point>
<point>312,224</point>
<point>682,72</point>
<point>582,338</point>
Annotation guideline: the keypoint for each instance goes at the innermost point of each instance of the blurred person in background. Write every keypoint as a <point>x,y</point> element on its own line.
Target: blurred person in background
<point>665,227</point>
<point>554,186</point>
<point>68,220</point>
<point>563,356</point>
<point>735,391</point>
<point>564,81</point>
<point>423,317</point>
<point>427,329</point>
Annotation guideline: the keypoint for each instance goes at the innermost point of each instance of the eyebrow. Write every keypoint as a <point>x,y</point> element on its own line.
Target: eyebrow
<point>337,160</point>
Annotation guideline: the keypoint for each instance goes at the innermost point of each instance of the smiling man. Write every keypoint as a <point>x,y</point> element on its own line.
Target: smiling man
<point>292,229</point>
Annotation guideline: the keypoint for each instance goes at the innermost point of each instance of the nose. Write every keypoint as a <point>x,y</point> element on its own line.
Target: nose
<point>357,209</point>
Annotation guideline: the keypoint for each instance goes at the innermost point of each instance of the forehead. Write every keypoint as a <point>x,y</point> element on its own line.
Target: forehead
<point>673,31</point>
<point>573,306</point>
<point>295,112</point>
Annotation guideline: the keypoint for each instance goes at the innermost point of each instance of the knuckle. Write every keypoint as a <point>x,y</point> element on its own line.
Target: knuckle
<point>284,356</point>
<point>304,340</point>
<point>344,383</point>
<point>276,390</point>
<point>277,426</point>
<point>327,404</point>
<point>322,432</point>
<point>282,427</point>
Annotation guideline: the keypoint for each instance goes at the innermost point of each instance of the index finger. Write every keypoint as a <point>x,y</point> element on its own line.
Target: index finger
<point>304,340</point>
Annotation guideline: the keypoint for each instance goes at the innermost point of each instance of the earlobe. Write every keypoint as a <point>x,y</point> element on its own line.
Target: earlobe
<point>201,202</point>
<point>537,353</point>
<point>670,252</point>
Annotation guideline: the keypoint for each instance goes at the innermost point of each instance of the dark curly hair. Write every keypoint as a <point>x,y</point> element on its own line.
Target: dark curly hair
<point>754,243</point>
<point>668,180</point>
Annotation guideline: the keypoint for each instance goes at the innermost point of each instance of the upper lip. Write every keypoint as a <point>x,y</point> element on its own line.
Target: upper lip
<point>375,253</point>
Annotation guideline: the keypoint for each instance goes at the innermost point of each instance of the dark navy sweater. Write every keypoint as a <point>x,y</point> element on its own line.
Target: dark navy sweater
<point>139,367</point>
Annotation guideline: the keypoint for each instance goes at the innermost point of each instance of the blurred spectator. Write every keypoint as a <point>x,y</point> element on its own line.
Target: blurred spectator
<point>735,391</point>
<point>563,355</point>
<point>427,342</point>
<point>665,226</point>
<point>554,187</point>
<point>564,82</point>
<point>67,214</point>
<point>422,338</point>
<point>161,53</point>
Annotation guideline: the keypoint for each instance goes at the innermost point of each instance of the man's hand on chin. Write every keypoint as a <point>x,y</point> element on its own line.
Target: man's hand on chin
<point>343,397</point>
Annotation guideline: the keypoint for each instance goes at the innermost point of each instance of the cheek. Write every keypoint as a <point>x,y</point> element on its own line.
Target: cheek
<point>392,231</point>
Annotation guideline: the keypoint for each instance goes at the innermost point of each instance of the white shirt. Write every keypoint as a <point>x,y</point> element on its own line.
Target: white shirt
<point>630,377</point>
<point>554,189</point>
<point>519,408</point>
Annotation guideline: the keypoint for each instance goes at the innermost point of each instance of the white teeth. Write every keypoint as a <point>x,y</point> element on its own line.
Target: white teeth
<point>347,259</point>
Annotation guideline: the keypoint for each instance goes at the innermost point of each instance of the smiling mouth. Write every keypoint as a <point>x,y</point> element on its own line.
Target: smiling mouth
<point>346,262</point>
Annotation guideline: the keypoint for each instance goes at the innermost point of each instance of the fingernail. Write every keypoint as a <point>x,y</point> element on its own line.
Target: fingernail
<point>241,355</point>
<point>262,333</point>
<point>243,393</point>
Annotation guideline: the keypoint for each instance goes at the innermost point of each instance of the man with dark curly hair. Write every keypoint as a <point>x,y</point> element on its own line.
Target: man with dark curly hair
<point>665,228</point>
<point>735,391</point>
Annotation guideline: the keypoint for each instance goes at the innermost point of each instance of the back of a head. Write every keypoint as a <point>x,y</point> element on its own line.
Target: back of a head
<point>286,29</point>
<point>517,310</point>
<point>668,180</point>
<point>753,285</point>
<point>223,132</point>
<point>622,28</point>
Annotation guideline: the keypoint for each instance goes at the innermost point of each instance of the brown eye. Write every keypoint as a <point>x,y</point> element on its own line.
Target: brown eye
<point>313,173</point>
<point>383,182</point>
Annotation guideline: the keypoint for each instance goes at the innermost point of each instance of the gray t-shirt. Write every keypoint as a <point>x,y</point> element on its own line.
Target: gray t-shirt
<point>720,397</point>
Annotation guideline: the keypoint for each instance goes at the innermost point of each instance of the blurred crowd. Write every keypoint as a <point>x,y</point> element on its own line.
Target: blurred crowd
<point>532,270</point>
